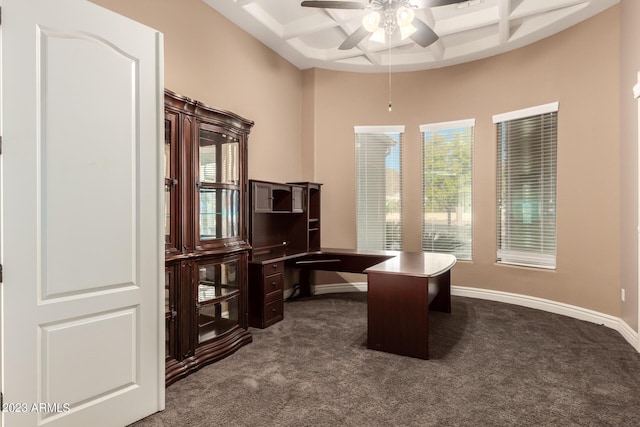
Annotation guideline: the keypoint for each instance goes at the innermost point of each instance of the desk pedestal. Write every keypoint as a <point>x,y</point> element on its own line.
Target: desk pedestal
<point>398,308</point>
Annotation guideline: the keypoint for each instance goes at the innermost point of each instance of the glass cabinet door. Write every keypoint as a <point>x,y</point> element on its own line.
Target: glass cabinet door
<point>218,185</point>
<point>170,313</point>
<point>219,213</point>
<point>170,183</point>
<point>218,298</point>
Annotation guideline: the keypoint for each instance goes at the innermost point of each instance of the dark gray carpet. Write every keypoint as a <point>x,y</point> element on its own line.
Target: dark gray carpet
<point>492,364</point>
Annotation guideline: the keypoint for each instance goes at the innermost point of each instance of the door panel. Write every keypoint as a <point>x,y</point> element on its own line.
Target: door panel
<point>108,344</point>
<point>102,141</point>
<point>82,311</point>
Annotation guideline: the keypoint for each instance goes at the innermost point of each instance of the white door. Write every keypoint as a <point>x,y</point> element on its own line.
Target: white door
<point>82,247</point>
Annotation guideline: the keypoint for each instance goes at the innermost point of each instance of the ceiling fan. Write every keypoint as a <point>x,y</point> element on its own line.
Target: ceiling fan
<point>385,17</point>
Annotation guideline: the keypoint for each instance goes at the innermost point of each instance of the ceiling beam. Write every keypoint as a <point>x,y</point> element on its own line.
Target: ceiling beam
<point>504,26</point>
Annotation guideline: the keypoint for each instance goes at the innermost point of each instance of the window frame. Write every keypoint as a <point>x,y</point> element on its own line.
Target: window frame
<point>541,259</point>
<point>438,127</point>
<point>380,239</point>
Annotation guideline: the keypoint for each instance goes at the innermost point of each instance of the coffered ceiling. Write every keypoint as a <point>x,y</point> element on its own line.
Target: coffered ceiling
<point>469,30</point>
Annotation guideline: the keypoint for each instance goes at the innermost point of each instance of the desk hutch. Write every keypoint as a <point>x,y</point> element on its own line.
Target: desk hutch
<point>284,221</point>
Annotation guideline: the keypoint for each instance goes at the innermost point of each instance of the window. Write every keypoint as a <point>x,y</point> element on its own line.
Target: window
<point>526,186</point>
<point>447,157</point>
<point>379,187</point>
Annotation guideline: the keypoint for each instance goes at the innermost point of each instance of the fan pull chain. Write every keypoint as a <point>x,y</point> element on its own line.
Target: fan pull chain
<point>389,67</point>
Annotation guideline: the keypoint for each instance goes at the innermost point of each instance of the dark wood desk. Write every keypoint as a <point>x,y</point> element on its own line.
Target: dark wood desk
<point>402,288</point>
<point>400,293</point>
<point>284,232</point>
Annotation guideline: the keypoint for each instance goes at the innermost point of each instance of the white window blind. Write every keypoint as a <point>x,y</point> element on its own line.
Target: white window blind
<point>526,186</point>
<point>447,160</point>
<point>379,187</point>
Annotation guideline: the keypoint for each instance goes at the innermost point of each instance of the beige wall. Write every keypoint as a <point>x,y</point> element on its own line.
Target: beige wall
<point>630,66</point>
<point>212,60</point>
<point>304,130</point>
<point>579,68</point>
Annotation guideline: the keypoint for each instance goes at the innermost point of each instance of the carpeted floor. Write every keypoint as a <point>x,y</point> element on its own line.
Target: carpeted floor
<point>491,364</point>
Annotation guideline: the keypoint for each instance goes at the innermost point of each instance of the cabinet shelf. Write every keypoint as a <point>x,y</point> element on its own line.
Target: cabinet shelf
<point>217,316</point>
<point>211,294</point>
<point>211,327</point>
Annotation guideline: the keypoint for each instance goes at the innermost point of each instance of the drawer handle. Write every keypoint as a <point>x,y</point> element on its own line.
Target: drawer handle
<point>275,266</point>
<point>274,310</point>
<point>273,284</point>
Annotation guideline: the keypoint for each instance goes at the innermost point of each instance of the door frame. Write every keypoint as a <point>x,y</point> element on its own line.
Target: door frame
<point>636,95</point>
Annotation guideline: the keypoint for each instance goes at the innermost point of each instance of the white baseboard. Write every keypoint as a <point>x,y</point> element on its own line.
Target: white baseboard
<point>575,312</point>
<point>629,334</point>
<point>538,303</point>
<point>580,313</point>
<point>340,287</point>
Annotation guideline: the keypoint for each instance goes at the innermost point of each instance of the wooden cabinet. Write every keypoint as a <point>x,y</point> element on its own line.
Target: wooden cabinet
<point>206,249</point>
<point>284,221</point>
<point>262,199</point>
<point>271,197</point>
<point>266,296</point>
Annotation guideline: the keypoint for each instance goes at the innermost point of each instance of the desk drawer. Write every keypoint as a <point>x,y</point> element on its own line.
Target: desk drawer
<point>273,267</point>
<point>273,312</point>
<point>273,283</point>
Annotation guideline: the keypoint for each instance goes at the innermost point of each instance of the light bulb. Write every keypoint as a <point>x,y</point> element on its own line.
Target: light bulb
<point>371,21</point>
<point>378,36</point>
<point>404,16</point>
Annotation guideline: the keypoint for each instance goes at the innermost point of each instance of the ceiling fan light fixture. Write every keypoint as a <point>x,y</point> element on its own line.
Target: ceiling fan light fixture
<point>371,21</point>
<point>404,16</point>
<point>378,36</point>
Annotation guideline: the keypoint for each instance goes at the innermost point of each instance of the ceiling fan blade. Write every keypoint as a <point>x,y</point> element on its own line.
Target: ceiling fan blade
<point>424,35</point>
<point>356,37</point>
<point>422,4</point>
<point>335,4</point>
